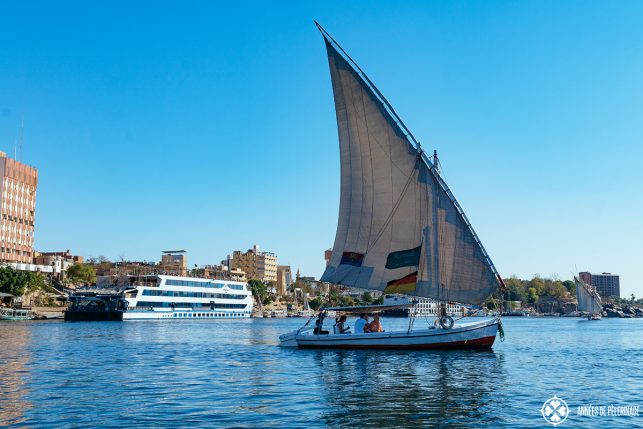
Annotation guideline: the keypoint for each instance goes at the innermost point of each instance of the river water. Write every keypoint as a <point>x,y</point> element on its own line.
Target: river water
<point>231,374</point>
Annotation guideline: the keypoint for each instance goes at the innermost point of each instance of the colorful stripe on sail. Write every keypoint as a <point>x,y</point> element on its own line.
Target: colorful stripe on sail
<point>404,258</point>
<point>404,285</point>
<point>352,258</point>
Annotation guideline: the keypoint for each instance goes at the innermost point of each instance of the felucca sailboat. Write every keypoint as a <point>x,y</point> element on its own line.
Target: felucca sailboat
<point>400,228</point>
<point>588,300</point>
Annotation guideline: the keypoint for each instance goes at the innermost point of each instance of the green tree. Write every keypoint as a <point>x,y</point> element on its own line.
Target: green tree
<point>537,283</point>
<point>333,295</point>
<point>259,290</point>
<point>17,282</point>
<point>12,281</point>
<point>347,301</point>
<point>554,289</point>
<point>367,298</point>
<point>515,289</point>
<point>532,295</point>
<point>37,281</point>
<point>315,303</point>
<point>379,300</point>
<point>570,286</point>
<point>81,274</point>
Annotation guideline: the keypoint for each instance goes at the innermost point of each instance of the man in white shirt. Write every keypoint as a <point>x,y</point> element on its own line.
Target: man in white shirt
<point>360,323</point>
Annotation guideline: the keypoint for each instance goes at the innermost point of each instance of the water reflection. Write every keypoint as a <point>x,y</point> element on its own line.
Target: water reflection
<point>14,375</point>
<point>409,389</point>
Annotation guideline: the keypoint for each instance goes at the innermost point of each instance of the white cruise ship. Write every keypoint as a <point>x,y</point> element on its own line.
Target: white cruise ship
<point>135,297</point>
<point>161,297</point>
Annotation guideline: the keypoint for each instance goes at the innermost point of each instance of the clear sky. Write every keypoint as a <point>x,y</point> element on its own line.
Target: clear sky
<point>210,126</point>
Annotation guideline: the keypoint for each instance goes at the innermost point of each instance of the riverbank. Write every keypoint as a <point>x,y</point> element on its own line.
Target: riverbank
<point>49,312</point>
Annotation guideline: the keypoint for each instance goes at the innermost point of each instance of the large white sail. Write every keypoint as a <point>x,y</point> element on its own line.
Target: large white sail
<point>400,229</point>
<point>587,297</point>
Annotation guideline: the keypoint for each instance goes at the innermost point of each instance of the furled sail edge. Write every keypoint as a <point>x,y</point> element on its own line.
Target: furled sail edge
<point>459,209</point>
<point>415,144</point>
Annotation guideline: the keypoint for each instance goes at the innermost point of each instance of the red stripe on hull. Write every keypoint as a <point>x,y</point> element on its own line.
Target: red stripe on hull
<point>478,343</point>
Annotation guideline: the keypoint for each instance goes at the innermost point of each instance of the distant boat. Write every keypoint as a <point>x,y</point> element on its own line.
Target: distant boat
<point>400,228</point>
<point>16,314</point>
<point>588,300</point>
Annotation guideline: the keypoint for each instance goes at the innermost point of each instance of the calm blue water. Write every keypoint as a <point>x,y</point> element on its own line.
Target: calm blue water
<point>231,374</point>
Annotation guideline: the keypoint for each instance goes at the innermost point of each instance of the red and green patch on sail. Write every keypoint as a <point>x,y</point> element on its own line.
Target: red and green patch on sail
<point>352,258</point>
<point>404,285</point>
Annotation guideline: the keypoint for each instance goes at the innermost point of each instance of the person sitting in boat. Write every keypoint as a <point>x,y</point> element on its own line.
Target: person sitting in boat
<point>319,323</point>
<point>341,327</point>
<point>375,325</point>
<point>361,323</point>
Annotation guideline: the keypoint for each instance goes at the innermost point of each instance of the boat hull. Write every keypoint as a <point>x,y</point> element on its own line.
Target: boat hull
<point>184,314</point>
<point>478,335</point>
<point>93,316</point>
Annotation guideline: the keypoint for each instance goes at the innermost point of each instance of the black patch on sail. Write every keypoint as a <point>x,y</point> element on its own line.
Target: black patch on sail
<point>404,258</point>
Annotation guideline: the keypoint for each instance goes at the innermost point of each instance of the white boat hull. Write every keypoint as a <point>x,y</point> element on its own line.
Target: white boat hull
<point>480,335</point>
<point>183,314</point>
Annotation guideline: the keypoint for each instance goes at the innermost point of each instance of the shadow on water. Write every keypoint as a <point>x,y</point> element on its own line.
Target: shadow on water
<point>410,389</point>
<point>14,373</point>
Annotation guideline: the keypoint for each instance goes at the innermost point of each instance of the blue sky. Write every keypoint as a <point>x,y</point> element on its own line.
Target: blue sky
<point>210,126</point>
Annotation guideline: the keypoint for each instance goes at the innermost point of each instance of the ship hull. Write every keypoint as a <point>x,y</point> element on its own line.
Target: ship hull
<point>94,316</point>
<point>478,335</point>
<point>183,314</point>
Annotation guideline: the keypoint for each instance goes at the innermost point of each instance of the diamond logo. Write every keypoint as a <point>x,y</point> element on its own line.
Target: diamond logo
<point>555,411</point>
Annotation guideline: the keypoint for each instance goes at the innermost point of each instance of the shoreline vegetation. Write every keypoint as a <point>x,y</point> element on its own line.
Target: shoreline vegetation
<point>539,295</point>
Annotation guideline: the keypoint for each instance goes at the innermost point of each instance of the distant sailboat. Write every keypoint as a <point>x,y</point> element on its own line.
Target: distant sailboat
<point>400,228</point>
<point>588,300</point>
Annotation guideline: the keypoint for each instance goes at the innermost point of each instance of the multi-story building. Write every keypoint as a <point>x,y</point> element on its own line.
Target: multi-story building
<point>606,284</point>
<point>174,262</point>
<point>257,265</point>
<point>59,261</point>
<point>284,279</point>
<point>17,210</point>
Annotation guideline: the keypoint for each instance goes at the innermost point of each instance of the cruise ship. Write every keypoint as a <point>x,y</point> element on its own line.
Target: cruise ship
<point>161,297</point>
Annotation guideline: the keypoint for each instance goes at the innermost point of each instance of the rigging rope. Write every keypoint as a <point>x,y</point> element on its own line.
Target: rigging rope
<point>396,206</point>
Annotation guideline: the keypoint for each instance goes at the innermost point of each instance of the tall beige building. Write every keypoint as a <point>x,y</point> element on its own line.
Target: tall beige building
<point>17,210</point>
<point>284,278</point>
<point>257,265</point>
